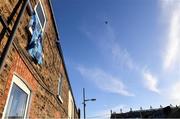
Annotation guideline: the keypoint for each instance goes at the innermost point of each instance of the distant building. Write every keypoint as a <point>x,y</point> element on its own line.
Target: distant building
<point>167,112</point>
<point>33,79</point>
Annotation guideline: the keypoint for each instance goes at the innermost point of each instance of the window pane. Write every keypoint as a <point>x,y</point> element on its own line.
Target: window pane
<point>59,87</point>
<point>17,103</point>
<point>40,14</point>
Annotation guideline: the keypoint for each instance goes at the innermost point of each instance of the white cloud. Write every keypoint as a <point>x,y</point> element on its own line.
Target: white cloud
<point>104,80</point>
<point>118,108</point>
<point>105,113</point>
<point>168,5</point>
<point>150,81</point>
<point>172,52</point>
<point>119,55</point>
<point>107,42</point>
<point>174,92</point>
<point>171,57</point>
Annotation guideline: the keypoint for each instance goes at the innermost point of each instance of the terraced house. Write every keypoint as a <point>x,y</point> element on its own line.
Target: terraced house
<point>33,79</point>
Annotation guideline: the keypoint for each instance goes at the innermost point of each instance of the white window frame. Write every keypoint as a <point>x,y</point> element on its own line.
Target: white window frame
<point>42,27</point>
<point>16,80</point>
<point>60,82</point>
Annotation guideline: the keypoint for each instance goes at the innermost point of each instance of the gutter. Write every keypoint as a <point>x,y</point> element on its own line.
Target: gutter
<point>60,50</point>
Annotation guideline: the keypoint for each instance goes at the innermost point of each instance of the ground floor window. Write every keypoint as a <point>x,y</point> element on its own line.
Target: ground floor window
<point>18,98</point>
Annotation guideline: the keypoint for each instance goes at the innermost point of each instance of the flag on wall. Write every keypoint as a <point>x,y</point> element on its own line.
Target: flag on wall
<point>35,45</point>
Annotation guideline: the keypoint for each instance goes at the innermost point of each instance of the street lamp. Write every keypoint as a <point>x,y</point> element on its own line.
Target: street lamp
<point>84,102</point>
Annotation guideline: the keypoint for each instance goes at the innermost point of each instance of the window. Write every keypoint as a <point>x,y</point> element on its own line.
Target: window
<point>60,88</point>
<point>40,15</point>
<point>17,101</point>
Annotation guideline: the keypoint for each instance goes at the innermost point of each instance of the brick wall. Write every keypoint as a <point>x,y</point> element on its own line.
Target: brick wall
<point>42,79</point>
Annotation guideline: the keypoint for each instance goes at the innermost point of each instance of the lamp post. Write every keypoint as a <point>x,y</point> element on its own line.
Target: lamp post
<point>84,102</point>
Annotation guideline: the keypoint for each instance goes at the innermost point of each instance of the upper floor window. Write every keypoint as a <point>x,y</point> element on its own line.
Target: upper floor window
<point>39,11</point>
<point>60,88</point>
<point>36,28</point>
<point>18,99</point>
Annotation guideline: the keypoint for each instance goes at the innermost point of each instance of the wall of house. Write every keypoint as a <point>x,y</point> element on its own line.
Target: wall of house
<point>42,79</point>
<point>70,106</point>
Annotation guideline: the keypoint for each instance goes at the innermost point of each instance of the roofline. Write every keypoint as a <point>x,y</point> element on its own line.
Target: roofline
<point>60,50</point>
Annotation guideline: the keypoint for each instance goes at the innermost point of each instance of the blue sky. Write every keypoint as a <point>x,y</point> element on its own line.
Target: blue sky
<point>132,61</point>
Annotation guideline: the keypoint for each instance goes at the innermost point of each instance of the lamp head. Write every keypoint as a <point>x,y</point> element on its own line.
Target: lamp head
<point>93,99</point>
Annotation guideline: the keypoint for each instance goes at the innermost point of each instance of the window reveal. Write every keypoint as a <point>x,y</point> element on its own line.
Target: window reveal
<point>60,88</point>
<point>17,103</point>
<point>18,99</point>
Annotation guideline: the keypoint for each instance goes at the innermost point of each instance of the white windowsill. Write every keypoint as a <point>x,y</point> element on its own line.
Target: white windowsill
<point>60,98</point>
<point>30,30</point>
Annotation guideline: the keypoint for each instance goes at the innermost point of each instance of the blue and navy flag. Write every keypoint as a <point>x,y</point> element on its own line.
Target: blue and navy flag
<point>35,45</point>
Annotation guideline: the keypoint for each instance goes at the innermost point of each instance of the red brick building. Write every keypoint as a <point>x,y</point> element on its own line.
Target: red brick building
<point>33,79</point>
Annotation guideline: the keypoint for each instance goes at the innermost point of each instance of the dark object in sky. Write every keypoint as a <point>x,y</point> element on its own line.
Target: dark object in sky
<point>106,22</point>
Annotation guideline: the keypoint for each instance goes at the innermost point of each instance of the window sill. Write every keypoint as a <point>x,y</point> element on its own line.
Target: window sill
<point>60,99</point>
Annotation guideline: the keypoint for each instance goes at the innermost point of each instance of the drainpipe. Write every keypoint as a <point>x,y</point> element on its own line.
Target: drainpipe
<point>12,35</point>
